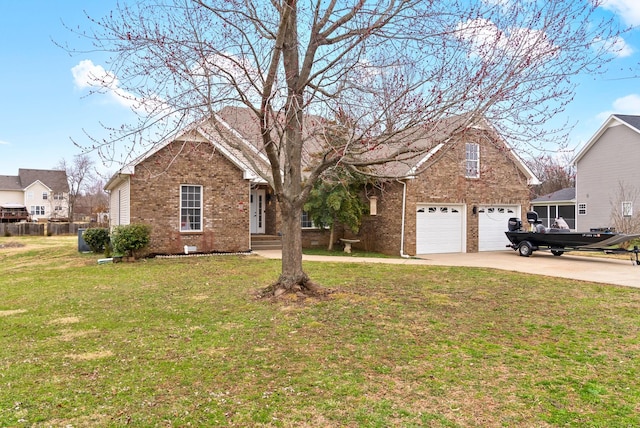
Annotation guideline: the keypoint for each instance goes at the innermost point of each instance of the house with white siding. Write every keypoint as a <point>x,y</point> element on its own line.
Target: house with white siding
<point>608,174</point>
<point>44,193</point>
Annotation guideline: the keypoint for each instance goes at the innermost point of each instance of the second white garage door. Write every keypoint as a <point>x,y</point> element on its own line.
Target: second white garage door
<point>440,229</point>
<point>492,223</point>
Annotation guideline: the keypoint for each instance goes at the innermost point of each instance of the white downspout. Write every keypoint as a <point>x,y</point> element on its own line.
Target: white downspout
<point>404,205</point>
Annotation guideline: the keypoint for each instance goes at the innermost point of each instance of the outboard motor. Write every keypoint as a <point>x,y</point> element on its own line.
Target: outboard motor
<point>515,224</point>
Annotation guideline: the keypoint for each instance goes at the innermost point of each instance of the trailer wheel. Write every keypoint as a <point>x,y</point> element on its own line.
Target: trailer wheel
<point>525,249</point>
<point>557,252</point>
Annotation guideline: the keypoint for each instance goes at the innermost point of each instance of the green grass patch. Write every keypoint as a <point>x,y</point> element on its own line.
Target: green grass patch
<point>340,252</point>
<point>185,341</point>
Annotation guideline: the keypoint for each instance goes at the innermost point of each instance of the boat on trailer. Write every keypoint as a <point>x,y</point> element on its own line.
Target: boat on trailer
<point>560,240</point>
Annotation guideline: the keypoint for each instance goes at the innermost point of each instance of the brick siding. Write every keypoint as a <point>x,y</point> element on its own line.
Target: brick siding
<point>443,181</point>
<point>155,199</point>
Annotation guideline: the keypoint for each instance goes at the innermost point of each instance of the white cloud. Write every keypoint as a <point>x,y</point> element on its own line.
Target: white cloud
<point>628,10</point>
<point>4,143</point>
<point>616,46</point>
<point>486,39</point>
<point>87,75</point>
<point>629,104</point>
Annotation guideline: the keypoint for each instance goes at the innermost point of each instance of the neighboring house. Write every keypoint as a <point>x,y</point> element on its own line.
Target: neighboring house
<point>199,191</point>
<point>608,173</point>
<point>561,203</point>
<point>45,193</point>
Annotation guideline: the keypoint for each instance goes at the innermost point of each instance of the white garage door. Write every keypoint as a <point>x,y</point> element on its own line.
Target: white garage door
<point>439,229</point>
<point>492,223</point>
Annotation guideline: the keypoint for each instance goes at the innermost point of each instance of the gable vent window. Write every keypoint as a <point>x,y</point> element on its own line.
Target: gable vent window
<point>190,208</point>
<point>472,169</point>
<point>627,209</point>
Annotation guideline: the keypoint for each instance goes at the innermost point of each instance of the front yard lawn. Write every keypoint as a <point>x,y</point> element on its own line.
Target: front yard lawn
<point>185,341</point>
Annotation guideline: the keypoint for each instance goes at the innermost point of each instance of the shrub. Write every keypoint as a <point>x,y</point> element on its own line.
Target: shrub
<point>128,239</point>
<point>97,239</point>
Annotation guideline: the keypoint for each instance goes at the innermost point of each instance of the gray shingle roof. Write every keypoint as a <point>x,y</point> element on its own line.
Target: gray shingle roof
<point>55,180</point>
<point>630,119</point>
<point>567,194</point>
<point>10,182</point>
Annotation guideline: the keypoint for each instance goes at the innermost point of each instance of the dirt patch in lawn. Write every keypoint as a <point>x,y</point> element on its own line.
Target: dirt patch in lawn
<point>64,321</point>
<point>87,356</point>
<point>12,312</point>
<point>11,245</point>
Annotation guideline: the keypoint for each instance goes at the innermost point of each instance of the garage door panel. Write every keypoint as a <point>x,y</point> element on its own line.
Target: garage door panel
<point>492,223</point>
<point>439,229</point>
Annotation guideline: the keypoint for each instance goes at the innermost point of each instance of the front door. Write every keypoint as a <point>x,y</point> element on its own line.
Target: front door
<point>257,210</point>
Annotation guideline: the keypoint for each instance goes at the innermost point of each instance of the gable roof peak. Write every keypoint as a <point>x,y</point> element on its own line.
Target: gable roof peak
<point>630,119</point>
<point>54,179</point>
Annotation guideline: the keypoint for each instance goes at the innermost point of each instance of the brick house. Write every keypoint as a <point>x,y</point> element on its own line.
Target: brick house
<point>457,198</point>
<point>200,191</point>
<point>195,191</point>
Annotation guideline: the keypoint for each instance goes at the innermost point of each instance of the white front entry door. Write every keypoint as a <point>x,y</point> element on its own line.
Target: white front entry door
<point>257,210</point>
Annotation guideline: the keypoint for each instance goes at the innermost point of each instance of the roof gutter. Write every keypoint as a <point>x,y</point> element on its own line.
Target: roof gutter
<point>404,207</point>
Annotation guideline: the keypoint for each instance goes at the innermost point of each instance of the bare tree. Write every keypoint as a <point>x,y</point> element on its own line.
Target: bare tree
<point>555,173</point>
<point>383,73</point>
<point>79,175</point>
<point>625,216</point>
<point>94,200</point>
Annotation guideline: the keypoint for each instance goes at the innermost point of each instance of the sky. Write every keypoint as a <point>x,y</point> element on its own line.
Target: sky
<point>45,106</point>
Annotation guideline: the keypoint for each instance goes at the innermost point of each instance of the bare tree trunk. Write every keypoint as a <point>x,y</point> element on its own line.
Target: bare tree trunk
<point>292,277</point>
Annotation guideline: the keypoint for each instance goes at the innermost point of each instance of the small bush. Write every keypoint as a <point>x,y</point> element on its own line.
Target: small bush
<point>97,239</point>
<point>129,239</point>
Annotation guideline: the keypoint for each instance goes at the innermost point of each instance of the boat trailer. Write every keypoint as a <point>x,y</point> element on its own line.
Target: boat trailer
<point>560,241</point>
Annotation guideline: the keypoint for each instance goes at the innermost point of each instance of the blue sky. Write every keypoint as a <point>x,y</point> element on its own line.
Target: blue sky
<point>43,105</point>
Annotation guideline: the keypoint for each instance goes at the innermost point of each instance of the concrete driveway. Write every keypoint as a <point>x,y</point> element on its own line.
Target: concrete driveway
<point>572,266</point>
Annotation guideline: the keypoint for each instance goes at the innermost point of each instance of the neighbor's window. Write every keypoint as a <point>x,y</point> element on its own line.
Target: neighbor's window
<point>627,209</point>
<point>37,210</point>
<point>45,195</point>
<point>582,209</point>
<point>190,208</point>
<point>472,160</point>
<point>58,196</point>
<point>305,221</point>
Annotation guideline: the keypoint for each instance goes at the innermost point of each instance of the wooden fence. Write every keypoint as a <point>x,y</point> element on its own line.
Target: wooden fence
<point>42,229</point>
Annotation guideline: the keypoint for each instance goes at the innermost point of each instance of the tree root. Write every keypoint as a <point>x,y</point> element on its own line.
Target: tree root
<point>300,290</point>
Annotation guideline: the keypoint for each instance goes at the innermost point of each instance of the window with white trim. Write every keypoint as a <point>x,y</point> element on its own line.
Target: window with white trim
<point>582,209</point>
<point>472,163</point>
<point>37,210</point>
<point>45,195</point>
<point>190,208</point>
<point>627,209</point>
<point>305,221</point>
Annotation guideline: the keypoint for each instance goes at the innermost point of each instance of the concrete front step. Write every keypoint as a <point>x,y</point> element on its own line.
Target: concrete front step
<point>266,242</point>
